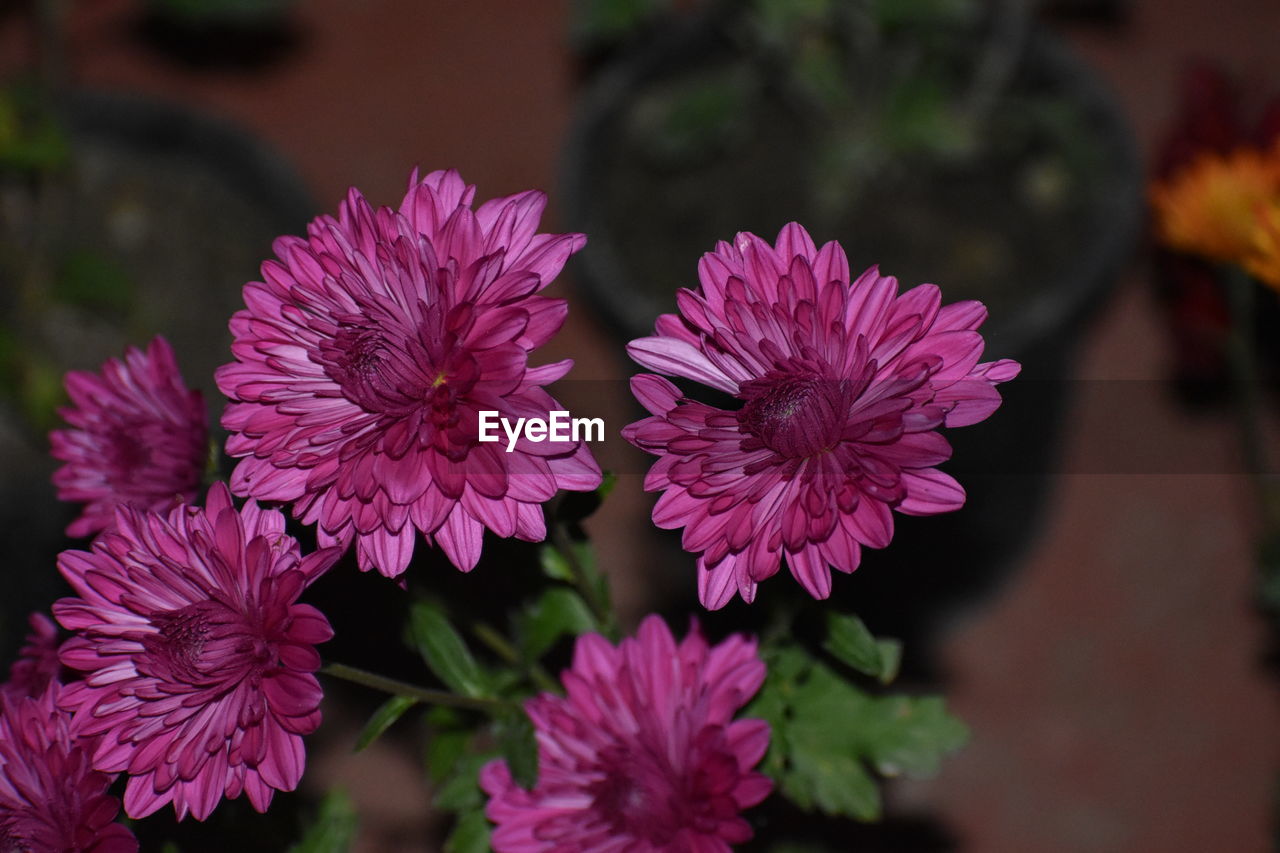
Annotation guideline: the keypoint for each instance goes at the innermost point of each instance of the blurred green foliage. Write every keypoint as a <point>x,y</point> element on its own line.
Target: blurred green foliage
<point>31,139</point>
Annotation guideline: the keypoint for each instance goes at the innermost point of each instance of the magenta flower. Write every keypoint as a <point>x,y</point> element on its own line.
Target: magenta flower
<point>37,662</point>
<point>138,437</point>
<point>643,754</point>
<point>51,799</point>
<point>368,350</point>
<point>198,660</point>
<point>842,387</point>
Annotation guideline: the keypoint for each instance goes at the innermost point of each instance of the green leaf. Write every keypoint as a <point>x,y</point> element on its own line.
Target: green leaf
<point>461,791</point>
<point>850,642</point>
<point>604,21</point>
<point>557,612</point>
<point>93,281</point>
<point>907,734</point>
<point>334,828</point>
<point>836,784</point>
<point>383,718</point>
<point>607,481</point>
<point>444,749</point>
<point>470,834</point>
<point>444,650</point>
<point>554,564</point>
<point>520,748</point>
<point>829,735</point>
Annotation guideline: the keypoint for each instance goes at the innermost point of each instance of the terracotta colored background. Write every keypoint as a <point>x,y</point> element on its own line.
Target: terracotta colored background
<point>1113,687</point>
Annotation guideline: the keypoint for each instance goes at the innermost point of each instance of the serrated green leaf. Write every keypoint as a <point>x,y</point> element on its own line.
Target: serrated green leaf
<point>828,734</point>
<point>470,834</point>
<point>836,784</point>
<point>444,650</point>
<point>334,828</point>
<point>461,791</point>
<point>382,719</point>
<point>908,734</point>
<point>557,612</point>
<point>520,748</point>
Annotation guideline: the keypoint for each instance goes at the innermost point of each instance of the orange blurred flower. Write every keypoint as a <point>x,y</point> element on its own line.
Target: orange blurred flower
<point>1263,261</point>
<point>1210,207</point>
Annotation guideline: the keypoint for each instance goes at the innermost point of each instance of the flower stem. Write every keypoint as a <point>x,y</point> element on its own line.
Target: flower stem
<point>583,580</point>
<point>1243,358</point>
<point>413,691</point>
<point>502,647</point>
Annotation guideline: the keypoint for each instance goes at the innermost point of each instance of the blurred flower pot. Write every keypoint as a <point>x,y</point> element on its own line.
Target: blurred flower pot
<point>221,33</point>
<point>153,222</point>
<point>1033,212</point>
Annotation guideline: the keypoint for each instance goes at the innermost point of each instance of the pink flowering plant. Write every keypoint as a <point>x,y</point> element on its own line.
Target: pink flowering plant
<point>187,668</point>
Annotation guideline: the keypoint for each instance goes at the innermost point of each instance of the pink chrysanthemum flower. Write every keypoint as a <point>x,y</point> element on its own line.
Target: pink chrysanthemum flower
<point>37,662</point>
<point>643,754</point>
<point>198,658</point>
<point>365,355</point>
<point>842,384</point>
<point>51,799</point>
<point>138,437</point>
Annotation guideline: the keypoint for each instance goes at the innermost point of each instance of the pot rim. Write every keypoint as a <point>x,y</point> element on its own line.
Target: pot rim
<point>1062,305</point>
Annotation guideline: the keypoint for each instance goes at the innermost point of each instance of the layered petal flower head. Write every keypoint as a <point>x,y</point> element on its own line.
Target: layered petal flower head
<point>51,799</point>
<point>198,659</point>
<point>37,662</point>
<point>643,754</point>
<point>842,386</point>
<point>368,350</point>
<point>138,437</point>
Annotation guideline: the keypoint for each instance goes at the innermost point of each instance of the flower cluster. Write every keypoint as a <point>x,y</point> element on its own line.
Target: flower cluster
<point>842,384</point>
<point>362,362</point>
<point>642,753</point>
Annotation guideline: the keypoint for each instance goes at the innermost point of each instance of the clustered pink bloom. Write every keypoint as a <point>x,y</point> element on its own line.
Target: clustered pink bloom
<point>37,662</point>
<point>365,355</point>
<point>842,384</point>
<point>138,437</point>
<point>198,659</point>
<point>643,753</point>
<point>51,799</point>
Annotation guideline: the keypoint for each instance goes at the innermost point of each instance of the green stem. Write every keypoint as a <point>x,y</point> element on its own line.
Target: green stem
<point>600,606</point>
<point>413,691</point>
<point>1243,359</point>
<point>502,647</point>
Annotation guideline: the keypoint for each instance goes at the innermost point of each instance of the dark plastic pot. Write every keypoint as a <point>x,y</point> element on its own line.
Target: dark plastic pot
<point>934,564</point>
<point>186,207</point>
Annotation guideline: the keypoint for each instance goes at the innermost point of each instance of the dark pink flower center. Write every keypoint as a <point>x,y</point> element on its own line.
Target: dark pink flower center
<point>422,376</point>
<point>126,455</point>
<point>795,414</point>
<point>638,797</point>
<point>204,642</point>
